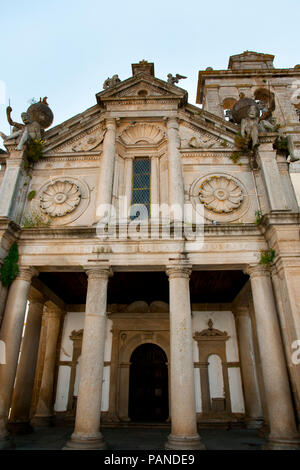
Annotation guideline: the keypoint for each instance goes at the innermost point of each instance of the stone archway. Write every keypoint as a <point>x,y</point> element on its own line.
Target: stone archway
<point>148,384</point>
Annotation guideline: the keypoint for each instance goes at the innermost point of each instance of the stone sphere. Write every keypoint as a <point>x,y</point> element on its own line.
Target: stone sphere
<point>41,113</point>
<point>240,109</point>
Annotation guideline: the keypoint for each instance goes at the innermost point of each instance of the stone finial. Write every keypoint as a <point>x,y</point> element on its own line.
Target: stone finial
<point>111,82</point>
<point>172,80</point>
<point>143,67</point>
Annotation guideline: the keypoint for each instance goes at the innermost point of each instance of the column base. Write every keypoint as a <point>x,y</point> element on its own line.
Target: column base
<point>282,444</point>
<point>6,443</point>
<point>42,421</point>
<point>19,428</point>
<point>77,443</point>
<point>252,423</point>
<point>264,430</point>
<point>184,443</point>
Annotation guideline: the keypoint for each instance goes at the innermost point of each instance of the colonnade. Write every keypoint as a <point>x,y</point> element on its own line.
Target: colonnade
<point>16,388</point>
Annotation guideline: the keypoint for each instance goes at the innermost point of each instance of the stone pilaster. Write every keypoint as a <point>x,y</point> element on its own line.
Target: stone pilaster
<point>184,433</point>
<point>127,184</point>
<point>107,166</point>
<point>175,180</point>
<point>87,433</point>
<point>11,335</point>
<point>272,178</point>
<point>254,412</point>
<point>154,187</point>
<point>44,412</point>
<point>21,402</point>
<point>283,432</point>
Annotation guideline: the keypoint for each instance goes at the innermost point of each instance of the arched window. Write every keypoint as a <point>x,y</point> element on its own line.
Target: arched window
<point>140,195</point>
<point>265,100</point>
<point>228,104</point>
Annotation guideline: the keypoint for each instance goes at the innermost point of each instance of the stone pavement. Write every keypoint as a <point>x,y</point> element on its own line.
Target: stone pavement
<point>53,438</point>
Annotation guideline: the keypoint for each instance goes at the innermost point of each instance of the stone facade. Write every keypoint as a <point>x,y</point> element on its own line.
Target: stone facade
<point>212,319</point>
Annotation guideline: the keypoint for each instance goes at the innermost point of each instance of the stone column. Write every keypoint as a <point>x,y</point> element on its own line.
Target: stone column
<point>106,179</point>
<point>183,408</point>
<point>21,402</point>
<point>44,412</point>
<point>11,335</point>
<point>87,433</point>
<point>175,181</point>
<point>283,432</point>
<point>254,412</point>
<point>154,187</point>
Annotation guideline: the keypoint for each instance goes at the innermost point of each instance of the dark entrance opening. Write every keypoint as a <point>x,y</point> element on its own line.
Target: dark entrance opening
<point>148,384</point>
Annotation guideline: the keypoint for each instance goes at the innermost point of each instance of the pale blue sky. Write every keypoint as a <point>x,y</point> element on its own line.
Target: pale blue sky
<point>65,49</point>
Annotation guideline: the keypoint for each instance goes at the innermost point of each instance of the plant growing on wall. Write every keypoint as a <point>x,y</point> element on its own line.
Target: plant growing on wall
<point>258,216</point>
<point>31,195</point>
<point>281,144</point>
<point>34,151</point>
<point>267,257</point>
<point>36,220</point>
<point>244,146</point>
<point>10,267</point>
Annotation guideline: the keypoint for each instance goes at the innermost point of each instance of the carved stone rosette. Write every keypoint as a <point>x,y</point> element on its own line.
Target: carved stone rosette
<point>63,198</point>
<point>225,198</point>
<point>60,198</point>
<point>220,194</point>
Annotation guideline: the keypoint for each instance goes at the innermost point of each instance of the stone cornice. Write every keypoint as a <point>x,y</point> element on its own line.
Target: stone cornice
<point>203,75</point>
<point>61,232</point>
<point>279,218</point>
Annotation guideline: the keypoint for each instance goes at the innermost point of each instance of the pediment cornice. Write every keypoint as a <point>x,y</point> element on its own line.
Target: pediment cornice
<point>131,89</point>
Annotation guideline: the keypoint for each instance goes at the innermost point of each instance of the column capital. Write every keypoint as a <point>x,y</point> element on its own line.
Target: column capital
<point>36,297</point>
<point>172,122</point>
<point>241,311</point>
<point>52,310</point>
<point>110,123</point>
<point>182,270</point>
<point>257,270</point>
<point>26,273</point>
<point>101,272</point>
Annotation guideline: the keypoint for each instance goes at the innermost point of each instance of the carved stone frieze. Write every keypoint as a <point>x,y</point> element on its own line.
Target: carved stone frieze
<point>84,142</point>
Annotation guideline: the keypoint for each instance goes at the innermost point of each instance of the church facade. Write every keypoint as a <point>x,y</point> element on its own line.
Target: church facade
<point>152,248</point>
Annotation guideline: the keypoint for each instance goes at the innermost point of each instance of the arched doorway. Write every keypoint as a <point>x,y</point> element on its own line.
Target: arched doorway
<point>148,384</point>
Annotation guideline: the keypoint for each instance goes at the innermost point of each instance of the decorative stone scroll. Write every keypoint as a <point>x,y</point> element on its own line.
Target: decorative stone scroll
<point>60,198</point>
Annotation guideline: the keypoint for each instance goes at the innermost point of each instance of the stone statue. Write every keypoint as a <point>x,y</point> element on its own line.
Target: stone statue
<point>22,131</point>
<point>37,118</point>
<point>249,126</point>
<point>172,80</point>
<point>111,82</point>
<point>267,123</point>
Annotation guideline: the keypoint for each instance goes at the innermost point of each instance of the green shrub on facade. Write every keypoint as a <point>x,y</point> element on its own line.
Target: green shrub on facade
<point>10,267</point>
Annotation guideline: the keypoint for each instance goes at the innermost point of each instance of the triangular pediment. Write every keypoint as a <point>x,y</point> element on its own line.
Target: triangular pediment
<point>82,133</point>
<point>142,87</point>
